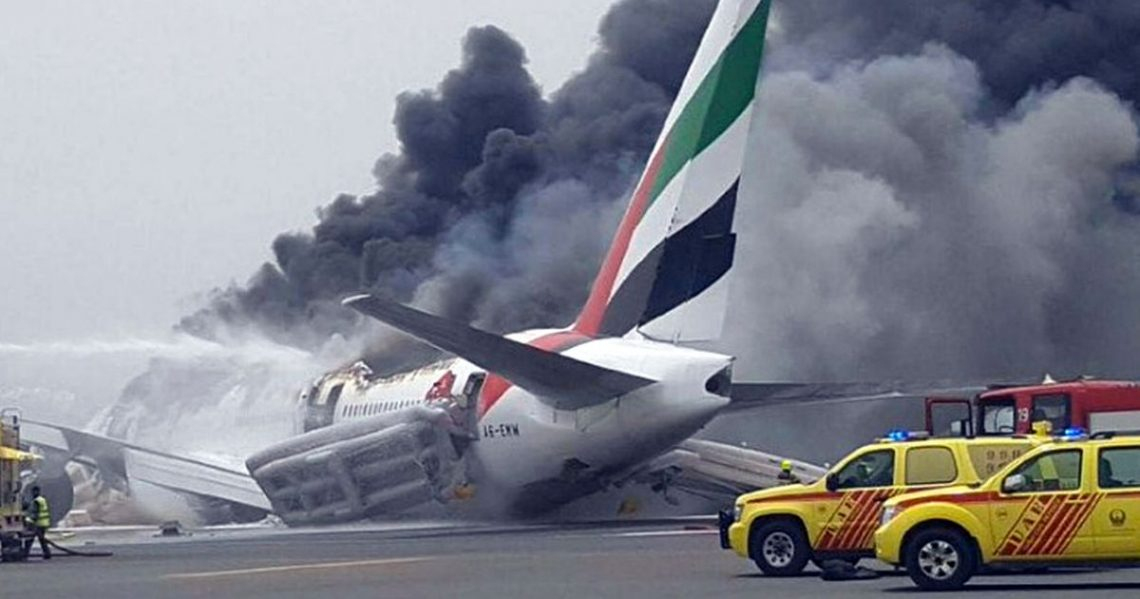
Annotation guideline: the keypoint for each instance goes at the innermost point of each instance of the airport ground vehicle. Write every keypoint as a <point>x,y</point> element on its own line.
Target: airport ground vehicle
<point>1002,410</point>
<point>11,508</point>
<point>1074,501</point>
<point>782,528</point>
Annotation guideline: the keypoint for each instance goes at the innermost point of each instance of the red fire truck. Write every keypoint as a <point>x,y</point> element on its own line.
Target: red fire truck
<point>1088,404</point>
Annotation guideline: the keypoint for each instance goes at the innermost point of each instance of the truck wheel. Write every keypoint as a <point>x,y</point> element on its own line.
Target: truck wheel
<point>940,559</point>
<point>780,548</point>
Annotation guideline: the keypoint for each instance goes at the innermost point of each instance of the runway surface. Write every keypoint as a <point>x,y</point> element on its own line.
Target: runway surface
<point>582,562</point>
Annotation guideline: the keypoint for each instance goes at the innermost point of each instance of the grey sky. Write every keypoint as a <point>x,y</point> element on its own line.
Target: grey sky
<point>150,151</point>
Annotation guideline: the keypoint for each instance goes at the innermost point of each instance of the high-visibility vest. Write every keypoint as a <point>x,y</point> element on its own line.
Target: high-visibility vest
<point>43,514</point>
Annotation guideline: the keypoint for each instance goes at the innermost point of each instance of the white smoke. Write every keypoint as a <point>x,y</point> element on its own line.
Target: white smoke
<point>178,347</point>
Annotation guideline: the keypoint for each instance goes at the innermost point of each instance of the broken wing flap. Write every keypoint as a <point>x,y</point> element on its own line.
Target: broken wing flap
<point>354,470</point>
<point>708,468</point>
<point>209,482</point>
<point>568,383</point>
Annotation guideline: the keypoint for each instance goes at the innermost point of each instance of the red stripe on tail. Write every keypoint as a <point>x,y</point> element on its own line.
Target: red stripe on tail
<point>590,320</point>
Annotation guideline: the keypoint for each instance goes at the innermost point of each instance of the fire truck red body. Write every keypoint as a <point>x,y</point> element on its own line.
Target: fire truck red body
<point>1091,405</point>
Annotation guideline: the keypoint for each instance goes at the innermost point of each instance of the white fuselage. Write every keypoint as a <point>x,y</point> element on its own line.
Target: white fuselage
<point>544,456</point>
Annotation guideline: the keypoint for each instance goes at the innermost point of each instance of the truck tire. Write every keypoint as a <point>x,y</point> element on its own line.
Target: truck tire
<point>779,548</point>
<point>940,559</point>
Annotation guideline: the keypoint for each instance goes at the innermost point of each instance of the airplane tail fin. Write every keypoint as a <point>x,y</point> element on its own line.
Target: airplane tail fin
<point>666,272</point>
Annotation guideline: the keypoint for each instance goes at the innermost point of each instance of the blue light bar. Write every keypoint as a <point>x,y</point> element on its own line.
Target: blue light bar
<point>898,435</point>
<point>1073,432</point>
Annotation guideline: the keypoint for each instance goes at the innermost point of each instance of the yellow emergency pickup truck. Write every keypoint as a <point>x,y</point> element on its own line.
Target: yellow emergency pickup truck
<point>1074,501</point>
<point>782,528</point>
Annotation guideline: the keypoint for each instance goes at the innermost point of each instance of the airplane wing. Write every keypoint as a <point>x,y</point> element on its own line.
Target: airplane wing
<point>720,471</point>
<point>136,463</point>
<point>749,395</point>
<point>573,383</point>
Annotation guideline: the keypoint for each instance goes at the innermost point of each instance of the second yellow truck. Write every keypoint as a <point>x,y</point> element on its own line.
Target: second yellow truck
<point>1074,501</point>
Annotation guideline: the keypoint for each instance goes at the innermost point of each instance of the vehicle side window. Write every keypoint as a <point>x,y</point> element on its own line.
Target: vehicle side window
<point>872,469</point>
<point>930,466</point>
<point>1119,468</point>
<point>1054,471</point>
<point>1054,408</point>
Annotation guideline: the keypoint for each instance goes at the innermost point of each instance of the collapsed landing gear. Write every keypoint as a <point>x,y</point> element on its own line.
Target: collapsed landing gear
<point>353,471</point>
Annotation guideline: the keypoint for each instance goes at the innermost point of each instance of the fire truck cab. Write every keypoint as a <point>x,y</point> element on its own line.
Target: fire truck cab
<point>1087,404</point>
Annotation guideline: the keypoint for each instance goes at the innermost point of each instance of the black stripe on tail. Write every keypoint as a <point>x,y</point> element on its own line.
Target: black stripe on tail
<point>678,269</point>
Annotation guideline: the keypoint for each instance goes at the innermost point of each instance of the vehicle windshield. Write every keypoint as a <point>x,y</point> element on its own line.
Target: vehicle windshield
<point>996,416</point>
<point>872,469</point>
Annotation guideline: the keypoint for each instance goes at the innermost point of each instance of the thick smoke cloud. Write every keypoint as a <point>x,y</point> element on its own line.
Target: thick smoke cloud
<point>499,203</point>
<point>901,236</point>
<point>937,190</point>
<point>945,191</point>
<point>1017,45</point>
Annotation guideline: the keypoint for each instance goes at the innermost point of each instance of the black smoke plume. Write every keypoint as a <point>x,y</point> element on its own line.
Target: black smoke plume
<point>940,189</point>
<point>497,206</point>
<point>1017,45</point>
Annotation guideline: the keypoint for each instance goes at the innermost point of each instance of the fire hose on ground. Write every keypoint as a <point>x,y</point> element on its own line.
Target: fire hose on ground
<point>71,552</point>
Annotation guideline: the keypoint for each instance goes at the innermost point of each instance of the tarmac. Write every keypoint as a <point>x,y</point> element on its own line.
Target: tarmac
<point>469,562</point>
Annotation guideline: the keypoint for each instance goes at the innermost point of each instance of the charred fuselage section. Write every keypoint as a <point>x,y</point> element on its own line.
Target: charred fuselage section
<point>370,466</point>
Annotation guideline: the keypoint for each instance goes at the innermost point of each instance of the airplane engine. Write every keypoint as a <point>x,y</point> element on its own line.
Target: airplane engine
<point>359,469</point>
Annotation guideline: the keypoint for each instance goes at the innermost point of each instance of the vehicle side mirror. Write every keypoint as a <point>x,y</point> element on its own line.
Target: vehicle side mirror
<point>831,482</point>
<point>1013,483</point>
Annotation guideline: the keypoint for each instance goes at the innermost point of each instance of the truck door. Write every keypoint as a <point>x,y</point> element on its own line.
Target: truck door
<point>953,415</point>
<point>929,466</point>
<point>1042,509</point>
<point>848,521</point>
<point>1116,516</point>
<point>997,415</point>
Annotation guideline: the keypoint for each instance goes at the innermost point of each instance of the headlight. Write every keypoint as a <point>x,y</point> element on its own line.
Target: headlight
<point>736,510</point>
<point>889,512</point>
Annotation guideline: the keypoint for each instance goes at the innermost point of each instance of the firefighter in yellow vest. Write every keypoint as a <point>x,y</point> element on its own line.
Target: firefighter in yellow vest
<point>786,476</point>
<point>39,516</point>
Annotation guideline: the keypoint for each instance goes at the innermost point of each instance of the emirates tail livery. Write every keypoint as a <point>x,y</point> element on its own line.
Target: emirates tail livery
<point>543,417</point>
<point>539,418</point>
